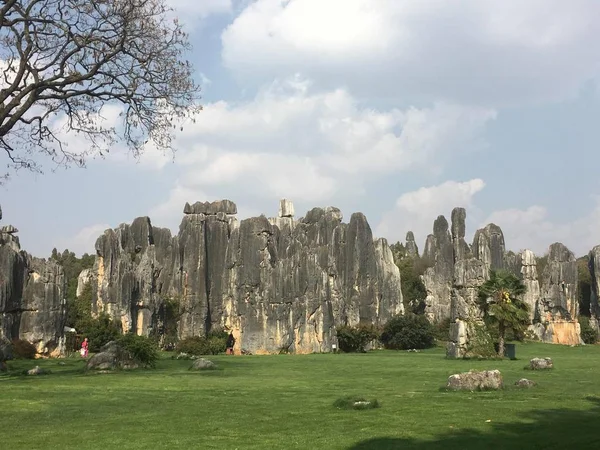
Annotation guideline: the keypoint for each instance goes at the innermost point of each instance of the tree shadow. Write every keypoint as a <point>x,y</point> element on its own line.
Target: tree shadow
<point>539,429</point>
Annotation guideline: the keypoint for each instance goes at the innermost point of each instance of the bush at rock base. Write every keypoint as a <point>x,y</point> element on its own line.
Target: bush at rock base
<point>588,334</point>
<point>99,331</point>
<point>481,342</point>
<point>142,348</point>
<point>408,331</point>
<point>442,329</point>
<point>355,339</point>
<point>213,344</point>
<point>23,349</point>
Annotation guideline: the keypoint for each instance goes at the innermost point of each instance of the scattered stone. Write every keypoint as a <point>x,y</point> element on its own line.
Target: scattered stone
<point>476,381</point>
<point>203,364</point>
<point>111,357</point>
<point>413,350</point>
<point>355,403</point>
<point>541,364</point>
<point>525,383</point>
<point>37,370</point>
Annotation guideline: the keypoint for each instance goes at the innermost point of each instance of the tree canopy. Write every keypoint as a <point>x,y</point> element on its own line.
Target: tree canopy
<point>500,300</point>
<point>109,71</point>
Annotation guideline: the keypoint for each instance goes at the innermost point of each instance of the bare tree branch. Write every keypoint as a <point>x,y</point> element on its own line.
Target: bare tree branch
<point>70,59</point>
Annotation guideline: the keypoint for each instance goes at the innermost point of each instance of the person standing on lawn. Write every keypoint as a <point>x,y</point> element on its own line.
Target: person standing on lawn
<point>230,343</point>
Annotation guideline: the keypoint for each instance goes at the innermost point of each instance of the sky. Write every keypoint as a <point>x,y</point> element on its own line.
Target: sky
<point>400,109</point>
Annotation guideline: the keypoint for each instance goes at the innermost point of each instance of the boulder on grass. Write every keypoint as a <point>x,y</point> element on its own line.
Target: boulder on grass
<point>111,357</point>
<point>525,383</point>
<point>203,364</point>
<point>37,370</point>
<point>541,364</point>
<point>476,381</point>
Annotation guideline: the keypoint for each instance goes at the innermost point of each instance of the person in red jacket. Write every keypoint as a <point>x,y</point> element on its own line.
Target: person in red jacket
<point>84,348</point>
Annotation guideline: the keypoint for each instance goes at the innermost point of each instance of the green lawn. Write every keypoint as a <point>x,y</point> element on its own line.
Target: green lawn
<point>285,402</point>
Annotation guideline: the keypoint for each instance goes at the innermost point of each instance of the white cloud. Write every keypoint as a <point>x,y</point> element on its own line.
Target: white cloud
<point>290,141</point>
<point>472,51</point>
<point>531,228</point>
<point>415,211</point>
<point>84,241</point>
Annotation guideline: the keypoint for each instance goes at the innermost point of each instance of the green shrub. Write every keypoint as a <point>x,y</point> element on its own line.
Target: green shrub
<point>141,348</point>
<point>407,332</point>
<point>589,335</point>
<point>481,342</point>
<point>100,331</point>
<point>355,339</point>
<point>213,344</point>
<point>442,329</point>
<point>23,349</point>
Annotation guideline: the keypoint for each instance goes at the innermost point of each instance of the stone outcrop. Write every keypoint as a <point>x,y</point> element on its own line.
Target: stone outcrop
<point>594,267</point>
<point>439,252</point>
<point>486,380</point>
<point>412,250</point>
<point>32,290</point>
<point>458,270</point>
<point>556,312</point>
<point>276,283</point>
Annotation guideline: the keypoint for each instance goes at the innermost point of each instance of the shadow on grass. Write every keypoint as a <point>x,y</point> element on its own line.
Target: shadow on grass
<point>539,429</point>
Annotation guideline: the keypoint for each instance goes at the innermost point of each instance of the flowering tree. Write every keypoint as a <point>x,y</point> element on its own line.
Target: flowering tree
<point>65,63</point>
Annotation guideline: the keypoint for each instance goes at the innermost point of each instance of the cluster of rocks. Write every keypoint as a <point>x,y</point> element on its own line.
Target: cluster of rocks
<point>276,283</point>
<point>32,305</point>
<point>486,380</point>
<point>458,269</point>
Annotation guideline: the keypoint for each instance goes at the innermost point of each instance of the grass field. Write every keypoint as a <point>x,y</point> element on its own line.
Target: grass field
<point>285,402</point>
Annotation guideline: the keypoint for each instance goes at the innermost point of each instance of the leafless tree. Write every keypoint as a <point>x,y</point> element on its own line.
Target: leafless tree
<point>66,62</point>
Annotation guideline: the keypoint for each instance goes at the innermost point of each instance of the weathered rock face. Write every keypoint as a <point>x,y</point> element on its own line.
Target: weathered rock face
<point>32,290</point>
<point>411,246</point>
<point>530,280</point>
<point>594,266</point>
<point>438,278</point>
<point>488,246</point>
<point>555,318</point>
<point>278,283</point>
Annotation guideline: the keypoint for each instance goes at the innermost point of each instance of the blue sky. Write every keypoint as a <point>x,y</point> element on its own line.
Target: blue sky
<point>399,109</point>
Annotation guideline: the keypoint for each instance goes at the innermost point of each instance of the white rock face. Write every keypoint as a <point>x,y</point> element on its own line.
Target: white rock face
<point>286,208</point>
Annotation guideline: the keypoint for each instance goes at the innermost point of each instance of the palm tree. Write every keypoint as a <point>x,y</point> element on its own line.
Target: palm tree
<point>500,300</point>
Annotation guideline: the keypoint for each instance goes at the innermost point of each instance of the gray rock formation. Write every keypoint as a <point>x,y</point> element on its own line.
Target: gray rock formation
<point>276,283</point>
<point>438,279</point>
<point>113,356</point>
<point>32,290</point>
<point>594,266</point>
<point>412,250</point>
<point>488,246</point>
<point>529,275</point>
<point>485,380</point>
<point>555,318</point>
<point>541,364</point>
